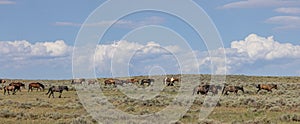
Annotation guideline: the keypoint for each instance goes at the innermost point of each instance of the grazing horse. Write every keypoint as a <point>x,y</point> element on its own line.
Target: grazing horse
<point>56,89</point>
<point>10,88</point>
<point>149,81</point>
<point>203,89</point>
<point>18,84</point>
<point>77,81</point>
<point>110,82</point>
<point>92,81</point>
<point>267,87</point>
<point>133,80</point>
<point>36,85</point>
<point>170,81</point>
<point>234,89</point>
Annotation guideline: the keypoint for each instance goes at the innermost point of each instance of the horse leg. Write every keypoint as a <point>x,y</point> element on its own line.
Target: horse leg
<point>60,94</point>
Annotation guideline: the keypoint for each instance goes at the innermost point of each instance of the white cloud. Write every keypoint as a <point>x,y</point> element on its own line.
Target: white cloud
<point>25,50</point>
<point>287,10</point>
<point>286,22</point>
<point>258,47</point>
<point>260,3</point>
<point>7,2</point>
<point>120,23</point>
<point>123,55</point>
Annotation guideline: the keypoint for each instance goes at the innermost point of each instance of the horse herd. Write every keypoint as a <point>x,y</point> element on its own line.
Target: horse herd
<point>16,86</point>
<point>203,89</point>
<point>214,89</point>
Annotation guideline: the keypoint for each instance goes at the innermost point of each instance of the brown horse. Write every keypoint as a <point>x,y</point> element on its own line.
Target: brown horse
<point>267,87</point>
<point>133,80</point>
<point>110,82</point>
<point>18,84</point>
<point>36,85</point>
<point>77,81</point>
<point>234,89</point>
<point>10,88</point>
<point>203,89</point>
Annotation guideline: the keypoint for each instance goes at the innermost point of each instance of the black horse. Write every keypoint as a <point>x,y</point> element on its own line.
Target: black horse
<point>149,81</point>
<point>56,89</point>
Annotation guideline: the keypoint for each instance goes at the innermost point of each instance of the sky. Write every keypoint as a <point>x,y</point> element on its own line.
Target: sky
<point>260,37</point>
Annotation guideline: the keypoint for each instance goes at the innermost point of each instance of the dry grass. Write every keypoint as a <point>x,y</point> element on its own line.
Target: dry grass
<point>280,106</point>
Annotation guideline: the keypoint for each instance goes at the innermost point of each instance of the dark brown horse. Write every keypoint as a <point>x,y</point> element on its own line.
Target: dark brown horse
<point>234,89</point>
<point>267,87</point>
<point>36,85</point>
<point>132,80</point>
<point>203,89</point>
<point>59,89</point>
<point>10,88</point>
<point>148,81</point>
<point>18,85</point>
<point>110,82</point>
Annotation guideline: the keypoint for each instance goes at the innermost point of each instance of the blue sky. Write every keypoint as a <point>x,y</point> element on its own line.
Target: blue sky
<point>260,38</point>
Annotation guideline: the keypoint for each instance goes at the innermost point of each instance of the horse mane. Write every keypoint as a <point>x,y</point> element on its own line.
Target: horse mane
<point>41,85</point>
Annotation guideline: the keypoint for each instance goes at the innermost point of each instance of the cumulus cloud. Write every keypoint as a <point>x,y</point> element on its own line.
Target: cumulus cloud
<point>24,49</point>
<point>260,3</point>
<point>286,22</point>
<point>130,57</point>
<point>288,10</point>
<point>257,47</point>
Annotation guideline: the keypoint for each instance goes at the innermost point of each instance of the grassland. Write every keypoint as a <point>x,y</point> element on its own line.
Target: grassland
<point>279,106</point>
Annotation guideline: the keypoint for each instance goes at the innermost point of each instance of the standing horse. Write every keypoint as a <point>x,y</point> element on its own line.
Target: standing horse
<point>170,81</point>
<point>18,84</point>
<point>36,85</point>
<point>10,88</point>
<point>149,81</point>
<point>234,89</point>
<point>203,89</point>
<point>77,81</point>
<point>132,80</point>
<point>267,87</point>
<point>59,89</point>
<point>110,82</point>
